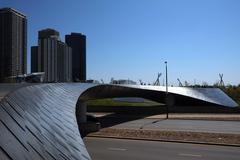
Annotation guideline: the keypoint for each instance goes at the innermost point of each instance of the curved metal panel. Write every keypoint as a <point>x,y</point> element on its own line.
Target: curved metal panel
<point>207,96</point>
<point>39,122</point>
<point>210,95</point>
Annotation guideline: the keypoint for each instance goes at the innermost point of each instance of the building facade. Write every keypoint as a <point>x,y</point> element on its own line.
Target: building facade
<point>77,42</point>
<point>52,57</point>
<point>64,62</point>
<point>13,44</point>
<point>34,59</point>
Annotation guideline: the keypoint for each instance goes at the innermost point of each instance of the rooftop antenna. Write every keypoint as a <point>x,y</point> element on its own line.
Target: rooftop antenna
<point>179,83</point>
<point>157,82</point>
<point>221,83</point>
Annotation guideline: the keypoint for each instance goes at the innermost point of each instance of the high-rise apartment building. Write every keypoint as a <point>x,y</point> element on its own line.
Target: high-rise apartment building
<point>52,57</point>
<point>34,59</point>
<point>13,44</point>
<point>64,62</point>
<point>77,42</point>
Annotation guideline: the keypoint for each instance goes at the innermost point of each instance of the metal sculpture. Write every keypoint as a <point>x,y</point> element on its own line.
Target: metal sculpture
<point>42,121</point>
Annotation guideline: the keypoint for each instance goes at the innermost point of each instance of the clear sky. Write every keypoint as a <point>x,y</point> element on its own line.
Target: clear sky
<point>131,39</point>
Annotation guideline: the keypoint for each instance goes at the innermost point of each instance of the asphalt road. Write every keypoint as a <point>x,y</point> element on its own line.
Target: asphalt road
<point>231,127</point>
<point>120,149</point>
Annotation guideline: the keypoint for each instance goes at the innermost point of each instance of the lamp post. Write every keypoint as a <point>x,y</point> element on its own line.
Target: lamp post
<point>166,88</point>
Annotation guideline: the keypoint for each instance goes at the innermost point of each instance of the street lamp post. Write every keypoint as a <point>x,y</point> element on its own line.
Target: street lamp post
<point>166,89</point>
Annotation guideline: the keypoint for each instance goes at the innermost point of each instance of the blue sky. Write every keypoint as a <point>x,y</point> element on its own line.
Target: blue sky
<point>131,39</point>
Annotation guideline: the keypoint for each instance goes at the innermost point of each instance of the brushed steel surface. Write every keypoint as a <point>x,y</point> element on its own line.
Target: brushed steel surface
<point>39,121</point>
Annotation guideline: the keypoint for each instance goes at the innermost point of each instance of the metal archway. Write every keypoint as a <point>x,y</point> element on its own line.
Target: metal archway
<point>40,122</point>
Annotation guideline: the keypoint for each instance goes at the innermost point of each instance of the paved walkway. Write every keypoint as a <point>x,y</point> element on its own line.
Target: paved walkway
<point>176,122</point>
<point>196,116</point>
<point>231,127</point>
<point>201,116</point>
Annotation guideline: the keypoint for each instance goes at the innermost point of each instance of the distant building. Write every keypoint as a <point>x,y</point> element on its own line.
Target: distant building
<point>37,77</point>
<point>30,78</point>
<point>49,33</point>
<point>13,44</point>
<point>92,81</point>
<point>34,59</point>
<point>64,62</point>
<point>123,81</point>
<point>77,42</point>
<point>52,57</point>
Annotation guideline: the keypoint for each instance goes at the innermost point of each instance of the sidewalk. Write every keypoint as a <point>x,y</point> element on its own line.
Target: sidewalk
<point>202,116</point>
<point>179,128</point>
<point>203,126</point>
<point>190,116</point>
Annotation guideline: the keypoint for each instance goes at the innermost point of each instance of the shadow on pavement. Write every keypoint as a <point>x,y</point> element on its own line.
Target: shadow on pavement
<point>125,114</point>
<point>118,114</point>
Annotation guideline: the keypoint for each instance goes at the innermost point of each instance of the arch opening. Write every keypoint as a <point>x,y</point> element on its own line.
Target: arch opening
<point>115,91</point>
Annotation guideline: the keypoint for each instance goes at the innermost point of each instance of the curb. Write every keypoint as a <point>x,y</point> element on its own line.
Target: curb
<point>165,140</point>
<point>197,118</point>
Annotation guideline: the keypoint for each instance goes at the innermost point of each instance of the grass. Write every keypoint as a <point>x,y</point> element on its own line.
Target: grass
<point>163,135</point>
<point>112,102</point>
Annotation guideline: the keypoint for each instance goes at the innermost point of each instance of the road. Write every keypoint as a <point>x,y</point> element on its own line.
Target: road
<point>122,149</point>
<point>229,127</point>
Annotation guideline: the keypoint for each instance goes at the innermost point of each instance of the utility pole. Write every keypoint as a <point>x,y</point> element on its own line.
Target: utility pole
<point>166,89</point>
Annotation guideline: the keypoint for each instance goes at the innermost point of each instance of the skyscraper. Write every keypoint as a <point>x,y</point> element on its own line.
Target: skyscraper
<point>64,62</point>
<point>77,42</point>
<point>34,59</point>
<point>13,44</point>
<point>52,57</point>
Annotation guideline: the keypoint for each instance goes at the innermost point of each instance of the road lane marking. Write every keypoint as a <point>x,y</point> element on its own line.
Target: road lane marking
<point>189,155</point>
<point>117,149</point>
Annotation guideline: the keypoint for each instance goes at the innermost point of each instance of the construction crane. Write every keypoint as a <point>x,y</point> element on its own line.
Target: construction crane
<point>221,83</point>
<point>157,82</point>
<point>179,83</point>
